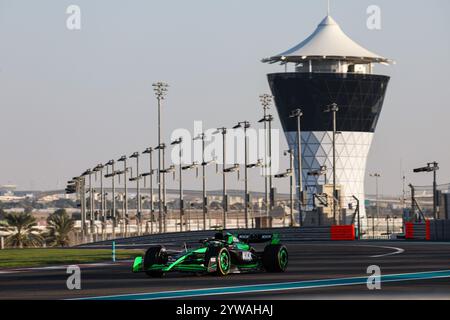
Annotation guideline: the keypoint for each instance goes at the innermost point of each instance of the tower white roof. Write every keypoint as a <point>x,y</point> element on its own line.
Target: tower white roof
<point>328,41</point>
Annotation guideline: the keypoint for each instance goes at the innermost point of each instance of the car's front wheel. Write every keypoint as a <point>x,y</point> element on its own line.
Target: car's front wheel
<point>154,255</point>
<point>222,259</point>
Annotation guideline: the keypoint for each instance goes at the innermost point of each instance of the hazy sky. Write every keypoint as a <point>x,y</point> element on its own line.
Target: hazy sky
<point>72,99</point>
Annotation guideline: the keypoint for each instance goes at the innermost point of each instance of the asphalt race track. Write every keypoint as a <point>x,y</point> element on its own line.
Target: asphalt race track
<point>317,270</point>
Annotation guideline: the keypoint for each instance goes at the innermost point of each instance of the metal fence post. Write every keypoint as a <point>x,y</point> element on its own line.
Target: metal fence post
<point>114,251</point>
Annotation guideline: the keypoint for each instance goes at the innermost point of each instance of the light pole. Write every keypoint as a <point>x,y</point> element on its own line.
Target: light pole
<point>88,173</point>
<point>235,168</point>
<point>149,151</point>
<point>297,114</point>
<point>78,187</point>
<point>376,176</point>
<point>83,208</point>
<point>170,169</point>
<point>159,182</point>
<point>202,137</point>
<point>179,142</point>
<point>160,89</point>
<point>245,125</point>
<point>258,164</point>
<point>113,210</point>
<point>413,202</point>
<point>333,108</point>
<point>359,217</point>
<point>163,222</point>
<point>91,205</point>
<point>266,101</point>
<point>289,173</point>
<point>190,167</point>
<point>269,118</point>
<point>144,176</point>
<point>137,178</point>
<point>318,173</point>
<point>163,146</point>
<point>125,200</point>
<point>123,217</point>
<point>431,167</point>
<point>99,168</point>
<point>403,192</point>
<point>120,216</point>
<point>223,131</point>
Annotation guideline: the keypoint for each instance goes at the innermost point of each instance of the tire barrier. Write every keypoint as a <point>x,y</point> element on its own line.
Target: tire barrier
<point>431,230</point>
<point>417,231</point>
<point>343,233</point>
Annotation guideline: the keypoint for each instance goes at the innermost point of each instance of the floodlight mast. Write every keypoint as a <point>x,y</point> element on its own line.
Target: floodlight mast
<point>266,101</point>
<point>160,89</point>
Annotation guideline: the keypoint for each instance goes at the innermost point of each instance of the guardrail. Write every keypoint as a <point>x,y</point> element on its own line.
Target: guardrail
<point>440,230</point>
<point>286,235</point>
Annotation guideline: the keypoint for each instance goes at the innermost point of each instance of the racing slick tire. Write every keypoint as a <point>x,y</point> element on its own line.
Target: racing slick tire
<point>223,259</point>
<point>275,258</point>
<point>154,255</point>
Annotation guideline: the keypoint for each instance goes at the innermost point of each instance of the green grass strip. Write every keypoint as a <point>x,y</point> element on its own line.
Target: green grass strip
<point>20,258</point>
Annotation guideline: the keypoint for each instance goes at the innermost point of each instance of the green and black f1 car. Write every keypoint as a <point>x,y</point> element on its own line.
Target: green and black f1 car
<point>221,255</point>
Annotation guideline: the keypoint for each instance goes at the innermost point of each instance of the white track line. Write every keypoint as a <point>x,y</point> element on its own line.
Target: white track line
<point>64,267</point>
<point>320,283</point>
<point>396,250</point>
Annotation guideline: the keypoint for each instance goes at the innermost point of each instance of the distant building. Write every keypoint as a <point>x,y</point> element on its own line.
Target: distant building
<point>7,194</point>
<point>7,190</point>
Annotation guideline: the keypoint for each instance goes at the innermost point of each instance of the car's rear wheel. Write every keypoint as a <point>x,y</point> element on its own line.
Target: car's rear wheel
<point>154,255</point>
<point>222,258</point>
<point>275,258</point>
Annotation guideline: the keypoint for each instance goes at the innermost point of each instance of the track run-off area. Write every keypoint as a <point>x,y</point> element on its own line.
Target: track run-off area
<point>316,270</point>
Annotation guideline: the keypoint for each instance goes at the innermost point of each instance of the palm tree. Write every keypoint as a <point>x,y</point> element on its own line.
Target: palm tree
<point>59,226</point>
<point>22,229</point>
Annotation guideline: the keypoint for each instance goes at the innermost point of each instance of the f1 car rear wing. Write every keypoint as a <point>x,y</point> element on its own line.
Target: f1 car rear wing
<point>259,238</point>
